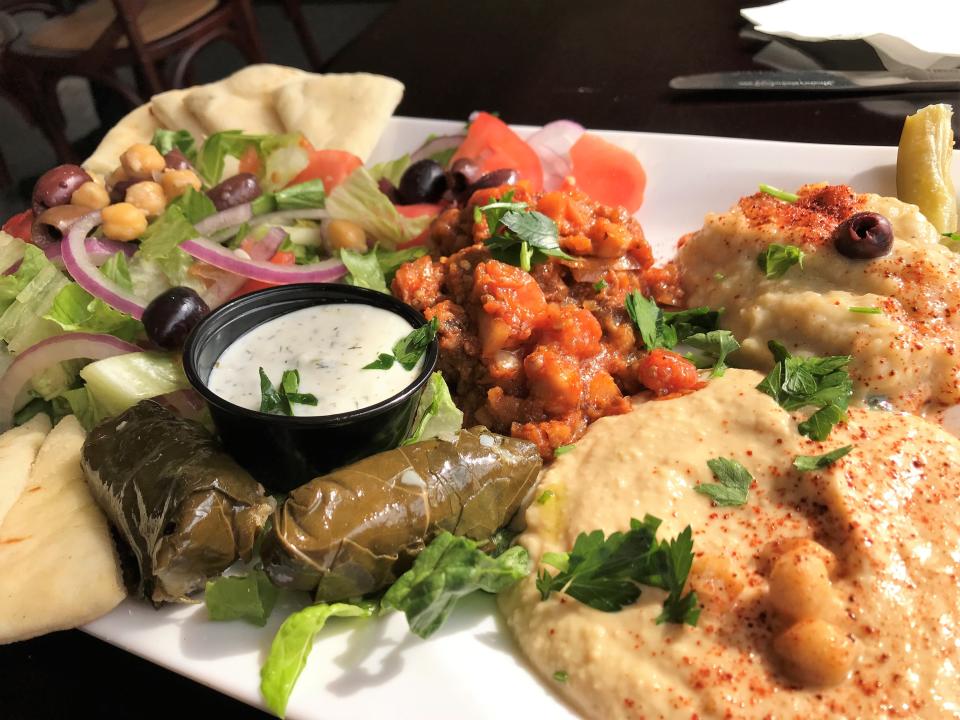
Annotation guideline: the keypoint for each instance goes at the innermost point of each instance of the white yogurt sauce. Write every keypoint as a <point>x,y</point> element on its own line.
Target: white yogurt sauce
<point>328,345</point>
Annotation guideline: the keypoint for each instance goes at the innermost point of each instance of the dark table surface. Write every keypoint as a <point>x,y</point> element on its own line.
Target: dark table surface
<point>604,63</point>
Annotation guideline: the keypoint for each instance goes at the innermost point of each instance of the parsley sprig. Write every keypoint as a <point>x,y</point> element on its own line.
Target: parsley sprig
<point>808,463</point>
<point>799,382</point>
<point>696,327</point>
<point>776,259</point>
<point>279,401</point>
<point>519,236</point>
<point>606,573</point>
<point>734,483</point>
<point>408,350</point>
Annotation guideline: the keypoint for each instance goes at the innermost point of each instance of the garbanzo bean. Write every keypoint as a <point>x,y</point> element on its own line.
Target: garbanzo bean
<point>123,222</point>
<point>343,234</point>
<point>148,196</point>
<point>815,652</point>
<point>176,182</point>
<point>90,195</point>
<point>142,160</point>
<point>716,581</point>
<point>800,585</point>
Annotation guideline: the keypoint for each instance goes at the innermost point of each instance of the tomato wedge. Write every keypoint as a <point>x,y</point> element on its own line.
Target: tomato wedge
<point>608,173</point>
<point>331,166</point>
<point>250,161</point>
<point>494,146</point>
<point>19,225</point>
<point>418,209</point>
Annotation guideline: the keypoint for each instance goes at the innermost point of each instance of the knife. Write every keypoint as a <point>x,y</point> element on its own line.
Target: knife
<point>846,81</point>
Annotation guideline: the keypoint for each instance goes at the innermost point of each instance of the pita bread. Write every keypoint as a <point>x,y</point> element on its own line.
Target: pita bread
<point>339,112</point>
<point>137,126</point>
<point>171,113</point>
<point>18,449</point>
<point>58,565</point>
<point>243,101</point>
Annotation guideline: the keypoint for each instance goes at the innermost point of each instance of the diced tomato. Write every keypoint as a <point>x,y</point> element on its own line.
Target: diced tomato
<point>493,146</point>
<point>608,173</point>
<point>417,210</point>
<point>250,161</point>
<point>665,372</point>
<point>281,257</point>
<point>19,225</point>
<point>331,166</point>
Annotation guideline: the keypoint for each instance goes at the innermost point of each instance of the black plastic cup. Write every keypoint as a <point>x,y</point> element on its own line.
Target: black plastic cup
<point>284,452</point>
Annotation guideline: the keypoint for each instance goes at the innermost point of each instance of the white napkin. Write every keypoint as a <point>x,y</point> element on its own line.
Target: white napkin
<point>920,34</point>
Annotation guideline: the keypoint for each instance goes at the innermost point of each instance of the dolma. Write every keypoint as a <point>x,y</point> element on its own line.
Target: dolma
<point>186,510</point>
<point>355,530</point>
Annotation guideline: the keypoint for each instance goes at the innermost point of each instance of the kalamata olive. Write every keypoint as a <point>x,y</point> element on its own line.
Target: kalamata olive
<point>118,192</point>
<point>462,174</point>
<point>389,189</point>
<point>170,316</point>
<point>236,190</point>
<point>56,186</point>
<point>176,160</point>
<point>52,224</point>
<point>504,176</point>
<point>864,236</point>
<point>423,182</point>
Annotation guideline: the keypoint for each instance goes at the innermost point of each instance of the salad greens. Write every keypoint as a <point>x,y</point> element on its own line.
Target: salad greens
<point>117,383</point>
<point>436,413</point>
<point>375,270</point>
<point>450,567</point>
<point>249,597</point>
<point>359,200</point>
<point>233,143</point>
<point>391,170</point>
<point>166,140</point>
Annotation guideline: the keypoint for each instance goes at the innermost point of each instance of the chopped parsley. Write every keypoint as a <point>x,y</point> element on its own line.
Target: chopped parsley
<point>560,676</point>
<point>279,401</point>
<point>821,382</point>
<point>600,285</point>
<point>778,193</point>
<point>545,497</point>
<point>563,449</point>
<point>713,348</point>
<point>606,573</point>
<point>519,236</point>
<point>719,276</point>
<point>776,259</point>
<point>866,310</point>
<point>735,481</point>
<point>818,462</point>
<point>953,240</point>
<point>409,349</point>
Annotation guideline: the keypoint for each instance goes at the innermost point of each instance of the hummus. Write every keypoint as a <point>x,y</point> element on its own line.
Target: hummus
<point>873,633</point>
<point>908,353</point>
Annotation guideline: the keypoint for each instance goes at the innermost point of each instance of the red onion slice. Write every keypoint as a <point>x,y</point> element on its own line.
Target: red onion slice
<point>267,246</point>
<point>85,273</point>
<point>13,268</point>
<point>552,144</point>
<point>231,217</point>
<point>50,352</point>
<point>437,145</point>
<point>98,250</point>
<point>226,259</point>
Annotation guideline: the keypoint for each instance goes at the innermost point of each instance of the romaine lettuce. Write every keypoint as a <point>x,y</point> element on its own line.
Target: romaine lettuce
<point>436,413</point>
<point>120,382</point>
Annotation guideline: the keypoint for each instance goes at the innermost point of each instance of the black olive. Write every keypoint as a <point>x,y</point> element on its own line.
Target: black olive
<point>171,315</point>
<point>118,193</point>
<point>56,187</point>
<point>504,176</point>
<point>236,190</point>
<point>423,182</point>
<point>176,160</point>
<point>461,174</point>
<point>864,236</point>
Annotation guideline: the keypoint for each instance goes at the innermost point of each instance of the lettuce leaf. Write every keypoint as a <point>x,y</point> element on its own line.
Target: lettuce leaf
<point>210,159</point>
<point>160,243</point>
<point>391,170</point>
<point>25,297</point>
<point>359,200</point>
<point>76,310</point>
<point>375,269</point>
<point>11,251</point>
<point>166,140</point>
<point>291,648</point>
<point>305,195</point>
<point>248,597</point>
<point>120,382</point>
<point>436,413</point>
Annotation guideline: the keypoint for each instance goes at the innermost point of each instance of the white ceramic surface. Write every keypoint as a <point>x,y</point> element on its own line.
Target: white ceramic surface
<point>470,669</point>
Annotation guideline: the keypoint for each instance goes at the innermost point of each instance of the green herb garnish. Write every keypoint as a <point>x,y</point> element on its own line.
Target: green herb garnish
<point>735,481</point>
<point>519,236</point>
<point>560,676</point>
<point>648,318</point>
<point>821,382</point>
<point>545,497</point>
<point>563,449</point>
<point>776,259</point>
<point>953,240</point>
<point>450,567</point>
<point>818,462</point>
<point>606,573</point>
<point>409,349</point>
<point>279,402</point>
<point>866,310</point>
<point>166,140</point>
<point>600,285</point>
<point>248,597</point>
<point>713,348</point>
<point>778,193</point>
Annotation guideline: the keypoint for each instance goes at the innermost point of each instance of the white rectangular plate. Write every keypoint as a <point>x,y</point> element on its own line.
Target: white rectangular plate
<point>471,668</point>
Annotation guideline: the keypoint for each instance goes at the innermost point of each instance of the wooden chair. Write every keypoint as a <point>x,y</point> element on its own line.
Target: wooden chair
<point>157,38</point>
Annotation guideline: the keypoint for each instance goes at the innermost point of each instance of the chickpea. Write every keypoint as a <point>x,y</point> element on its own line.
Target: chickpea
<point>148,196</point>
<point>815,652</point>
<point>142,161</point>
<point>176,182</point>
<point>90,195</point>
<point>800,585</point>
<point>342,234</point>
<point>123,222</point>
<point>777,548</point>
<point>716,581</point>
